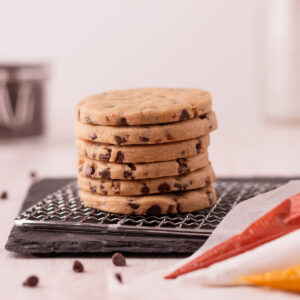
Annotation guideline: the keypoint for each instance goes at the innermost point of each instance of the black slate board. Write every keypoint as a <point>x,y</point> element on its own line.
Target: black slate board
<point>46,242</point>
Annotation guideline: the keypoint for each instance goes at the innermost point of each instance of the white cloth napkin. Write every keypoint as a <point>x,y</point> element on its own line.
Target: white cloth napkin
<point>153,286</point>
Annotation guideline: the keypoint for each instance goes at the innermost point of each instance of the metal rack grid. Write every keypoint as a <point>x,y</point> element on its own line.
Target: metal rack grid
<point>63,210</point>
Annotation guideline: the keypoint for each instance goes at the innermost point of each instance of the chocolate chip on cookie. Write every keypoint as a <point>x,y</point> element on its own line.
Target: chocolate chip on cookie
<point>106,156</point>
<point>184,115</point>
<point>119,157</point>
<point>93,136</point>
<point>105,174</point>
<point>145,189</point>
<point>144,139</point>
<point>120,140</point>
<point>198,147</point>
<point>133,205</point>
<point>93,189</point>
<point>90,170</point>
<point>153,210</point>
<point>164,187</point>
<point>89,120</point>
<point>123,122</point>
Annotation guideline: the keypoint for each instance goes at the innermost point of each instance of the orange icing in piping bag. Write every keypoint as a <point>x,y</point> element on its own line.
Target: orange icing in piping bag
<point>282,219</point>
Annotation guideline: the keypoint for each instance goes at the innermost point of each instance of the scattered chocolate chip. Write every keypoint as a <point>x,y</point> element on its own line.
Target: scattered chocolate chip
<point>93,189</point>
<point>133,205</point>
<point>153,210</point>
<point>164,187</point>
<point>170,209</point>
<point>145,189</point>
<point>106,156</point>
<point>144,139</point>
<point>184,115</point>
<point>127,174</point>
<point>90,170</point>
<point>120,140</point>
<point>93,136</point>
<point>78,266</point>
<point>33,174</point>
<point>119,259</point>
<point>101,186</point>
<point>203,117</point>
<point>123,122</point>
<point>178,207</point>
<point>182,152</point>
<point>119,277</point>
<point>198,147</point>
<point>31,281</point>
<point>119,157</point>
<point>89,120</point>
<point>4,195</point>
<point>131,166</point>
<point>178,186</point>
<point>105,174</point>
<point>107,118</point>
<point>185,186</point>
<point>191,181</point>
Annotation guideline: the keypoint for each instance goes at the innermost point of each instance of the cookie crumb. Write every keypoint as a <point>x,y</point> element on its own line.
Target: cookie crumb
<point>78,266</point>
<point>119,277</point>
<point>31,281</point>
<point>33,174</point>
<point>4,195</point>
<point>119,259</point>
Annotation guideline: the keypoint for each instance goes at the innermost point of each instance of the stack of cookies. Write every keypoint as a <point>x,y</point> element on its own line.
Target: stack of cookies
<point>144,151</point>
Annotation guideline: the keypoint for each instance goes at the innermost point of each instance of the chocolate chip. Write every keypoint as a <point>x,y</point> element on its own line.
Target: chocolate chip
<point>94,155</point>
<point>119,277</point>
<point>78,266</point>
<point>170,209</point>
<point>198,147</point>
<point>89,120</point>
<point>191,181</point>
<point>144,139</point>
<point>119,157</point>
<point>119,259</point>
<point>105,174</point>
<point>182,168</point>
<point>31,281</point>
<point>182,152</point>
<point>93,136</point>
<point>164,187</point>
<point>4,195</point>
<point>107,118</point>
<point>145,189</point>
<point>185,186</point>
<point>90,170</point>
<point>133,205</point>
<point>120,140</point>
<point>153,210</point>
<point>93,189</point>
<point>122,122</point>
<point>178,207</point>
<point>131,166</point>
<point>169,137</point>
<point>178,186</point>
<point>106,156</point>
<point>207,181</point>
<point>127,174</point>
<point>203,117</point>
<point>184,115</point>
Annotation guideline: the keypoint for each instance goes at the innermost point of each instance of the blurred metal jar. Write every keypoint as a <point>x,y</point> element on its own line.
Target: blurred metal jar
<point>283,60</point>
<point>22,100</point>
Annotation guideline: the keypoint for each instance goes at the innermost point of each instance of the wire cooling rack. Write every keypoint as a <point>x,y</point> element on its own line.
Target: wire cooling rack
<point>63,210</point>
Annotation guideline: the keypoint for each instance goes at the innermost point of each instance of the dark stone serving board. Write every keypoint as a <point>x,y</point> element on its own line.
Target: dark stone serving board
<point>46,242</point>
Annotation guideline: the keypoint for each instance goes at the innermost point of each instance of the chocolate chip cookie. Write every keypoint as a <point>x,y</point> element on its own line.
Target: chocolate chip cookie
<point>142,153</point>
<point>98,169</point>
<point>143,106</point>
<point>169,203</point>
<point>152,134</point>
<point>189,181</point>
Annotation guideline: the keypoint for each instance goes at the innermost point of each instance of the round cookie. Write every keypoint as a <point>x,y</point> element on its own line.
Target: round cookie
<point>143,106</point>
<point>98,169</point>
<point>142,153</point>
<point>189,181</point>
<point>154,134</point>
<point>170,203</point>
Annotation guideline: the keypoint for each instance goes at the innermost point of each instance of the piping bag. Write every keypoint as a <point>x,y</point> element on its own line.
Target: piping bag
<point>281,220</point>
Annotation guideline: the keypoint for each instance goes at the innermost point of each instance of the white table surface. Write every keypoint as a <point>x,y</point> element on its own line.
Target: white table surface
<point>235,150</point>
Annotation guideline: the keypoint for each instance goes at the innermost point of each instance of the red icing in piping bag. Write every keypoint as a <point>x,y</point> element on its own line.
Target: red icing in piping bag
<point>282,219</point>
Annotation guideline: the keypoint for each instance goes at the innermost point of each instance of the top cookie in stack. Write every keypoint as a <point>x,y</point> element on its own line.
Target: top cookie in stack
<point>144,151</point>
